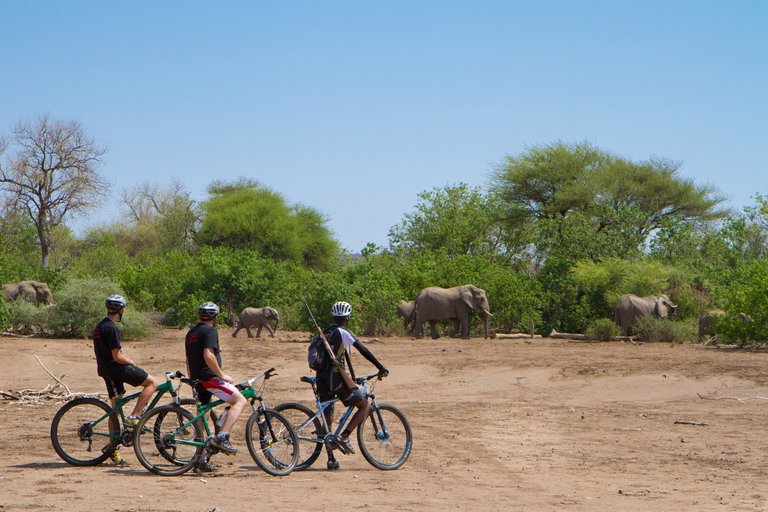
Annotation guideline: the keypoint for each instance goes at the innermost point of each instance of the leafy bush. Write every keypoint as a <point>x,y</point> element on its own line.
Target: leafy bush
<point>80,306</point>
<point>746,295</point>
<point>602,329</point>
<point>648,328</point>
<point>27,318</point>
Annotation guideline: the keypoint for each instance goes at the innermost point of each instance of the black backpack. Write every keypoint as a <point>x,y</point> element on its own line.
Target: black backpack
<point>318,356</point>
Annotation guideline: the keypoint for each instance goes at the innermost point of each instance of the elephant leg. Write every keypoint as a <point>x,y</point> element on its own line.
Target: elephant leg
<point>234,333</point>
<point>248,330</point>
<point>418,328</point>
<point>271,330</point>
<point>456,327</point>
<point>464,323</point>
<point>258,331</point>
<point>433,329</point>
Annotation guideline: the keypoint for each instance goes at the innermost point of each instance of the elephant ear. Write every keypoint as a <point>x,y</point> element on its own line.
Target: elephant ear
<point>661,307</point>
<point>466,297</point>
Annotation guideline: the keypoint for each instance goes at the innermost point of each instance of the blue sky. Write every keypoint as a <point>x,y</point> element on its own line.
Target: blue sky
<point>355,107</point>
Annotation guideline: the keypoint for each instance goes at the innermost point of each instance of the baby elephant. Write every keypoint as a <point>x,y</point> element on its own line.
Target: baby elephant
<point>257,317</point>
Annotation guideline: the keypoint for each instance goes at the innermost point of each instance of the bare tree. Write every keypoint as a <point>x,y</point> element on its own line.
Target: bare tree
<point>51,174</point>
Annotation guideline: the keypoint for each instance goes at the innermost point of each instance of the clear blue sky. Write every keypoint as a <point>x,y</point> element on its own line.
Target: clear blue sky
<point>355,107</point>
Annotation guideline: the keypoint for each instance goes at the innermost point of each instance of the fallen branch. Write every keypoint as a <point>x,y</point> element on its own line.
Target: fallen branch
<point>52,375</point>
<point>703,397</point>
<point>697,423</point>
<point>516,336</point>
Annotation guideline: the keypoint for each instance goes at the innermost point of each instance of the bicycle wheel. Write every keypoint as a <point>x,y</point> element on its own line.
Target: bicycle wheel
<point>84,433</point>
<point>272,442</point>
<point>173,443</point>
<point>171,454</point>
<point>385,438</point>
<point>310,445</point>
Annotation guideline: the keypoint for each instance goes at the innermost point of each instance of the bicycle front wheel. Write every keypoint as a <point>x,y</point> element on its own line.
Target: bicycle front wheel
<point>385,438</point>
<point>168,440</point>
<point>307,431</point>
<point>85,432</point>
<point>272,442</point>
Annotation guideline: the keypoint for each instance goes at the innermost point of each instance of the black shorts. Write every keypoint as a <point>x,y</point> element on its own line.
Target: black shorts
<point>330,385</point>
<point>119,374</point>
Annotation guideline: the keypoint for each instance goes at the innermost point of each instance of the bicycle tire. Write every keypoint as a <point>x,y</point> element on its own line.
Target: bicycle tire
<point>172,438</point>
<point>392,443</point>
<point>310,445</point>
<point>170,456</point>
<point>72,431</point>
<point>272,442</point>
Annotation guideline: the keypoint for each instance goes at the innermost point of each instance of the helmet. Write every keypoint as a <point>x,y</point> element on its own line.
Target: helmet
<point>341,309</point>
<point>115,302</point>
<point>208,311</point>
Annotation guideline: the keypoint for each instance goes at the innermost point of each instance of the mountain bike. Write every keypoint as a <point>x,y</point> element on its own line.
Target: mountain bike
<point>170,440</point>
<point>384,437</point>
<point>84,422</point>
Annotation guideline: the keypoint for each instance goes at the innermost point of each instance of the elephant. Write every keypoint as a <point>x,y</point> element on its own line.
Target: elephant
<point>630,307</point>
<point>405,311</point>
<point>257,317</point>
<point>707,322</point>
<point>434,304</point>
<point>31,291</point>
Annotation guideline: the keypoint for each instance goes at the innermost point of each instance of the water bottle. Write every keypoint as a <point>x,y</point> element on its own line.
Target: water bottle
<point>223,417</point>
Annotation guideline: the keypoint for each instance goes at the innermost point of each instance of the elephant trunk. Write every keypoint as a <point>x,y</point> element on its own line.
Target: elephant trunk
<point>486,314</point>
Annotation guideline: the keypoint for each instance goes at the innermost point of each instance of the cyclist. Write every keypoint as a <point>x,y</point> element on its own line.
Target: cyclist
<point>116,368</point>
<point>330,383</point>
<point>204,363</point>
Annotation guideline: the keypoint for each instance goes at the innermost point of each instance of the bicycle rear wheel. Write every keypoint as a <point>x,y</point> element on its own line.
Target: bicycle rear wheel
<point>272,442</point>
<point>385,438</point>
<point>310,445</point>
<point>85,431</point>
<point>168,440</point>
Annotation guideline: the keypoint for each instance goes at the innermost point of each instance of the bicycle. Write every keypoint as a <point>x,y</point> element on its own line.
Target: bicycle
<point>384,437</point>
<point>83,421</point>
<point>178,438</point>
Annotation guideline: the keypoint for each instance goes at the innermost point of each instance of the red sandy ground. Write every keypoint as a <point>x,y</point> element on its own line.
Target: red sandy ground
<point>534,425</point>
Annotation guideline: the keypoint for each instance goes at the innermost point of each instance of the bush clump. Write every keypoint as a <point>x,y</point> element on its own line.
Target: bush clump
<point>602,329</point>
<point>80,306</point>
<point>648,328</point>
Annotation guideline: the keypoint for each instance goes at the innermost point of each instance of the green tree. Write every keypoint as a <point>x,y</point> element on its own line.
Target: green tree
<point>246,215</point>
<point>617,200</point>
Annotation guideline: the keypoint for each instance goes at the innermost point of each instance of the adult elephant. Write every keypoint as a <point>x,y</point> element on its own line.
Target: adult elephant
<point>434,304</point>
<point>630,307</point>
<point>31,291</point>
<point>707,322</point>
<point>257,317</point>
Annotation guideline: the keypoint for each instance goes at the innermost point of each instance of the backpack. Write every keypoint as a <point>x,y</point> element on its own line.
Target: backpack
<point>318,355</point>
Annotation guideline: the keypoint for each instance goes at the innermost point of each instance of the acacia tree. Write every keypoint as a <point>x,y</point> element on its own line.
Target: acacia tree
<point>51,174</point>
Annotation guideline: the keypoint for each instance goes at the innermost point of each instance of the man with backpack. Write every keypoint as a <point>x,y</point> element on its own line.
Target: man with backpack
<point>330,382</point>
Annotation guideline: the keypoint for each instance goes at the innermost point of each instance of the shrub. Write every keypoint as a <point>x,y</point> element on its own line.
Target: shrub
<point>80,306</point>
<point>5,315</point>
<point>27,318</point>
<point>648,328</point>
<point>602,329</point>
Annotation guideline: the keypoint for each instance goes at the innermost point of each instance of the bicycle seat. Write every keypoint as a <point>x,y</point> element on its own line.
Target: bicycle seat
<point>308,380</point>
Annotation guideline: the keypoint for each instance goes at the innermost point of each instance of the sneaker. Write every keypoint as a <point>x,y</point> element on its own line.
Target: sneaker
<point>131,421</point>
<point>205,467</point>
<point>117,459</point>
<point>343,443</point>
<point>223,445</point>
<point>333,464</point>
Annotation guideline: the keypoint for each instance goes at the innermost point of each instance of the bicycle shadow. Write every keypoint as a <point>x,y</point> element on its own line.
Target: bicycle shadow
<point>42,465</point>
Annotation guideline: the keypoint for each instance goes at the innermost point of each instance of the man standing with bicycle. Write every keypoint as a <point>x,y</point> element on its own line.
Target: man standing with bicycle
<point>115,368</point>
<point>330,382</point>
<point>204,363</point>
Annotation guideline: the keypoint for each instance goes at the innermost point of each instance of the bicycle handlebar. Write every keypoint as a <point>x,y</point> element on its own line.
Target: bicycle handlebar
<point>173,375</point>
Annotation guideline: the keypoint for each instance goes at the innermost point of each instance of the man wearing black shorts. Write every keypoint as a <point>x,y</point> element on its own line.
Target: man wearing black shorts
<point>330,383</point>
<point>115,368</point>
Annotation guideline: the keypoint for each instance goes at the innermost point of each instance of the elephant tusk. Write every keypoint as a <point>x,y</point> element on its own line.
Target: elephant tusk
<point>487,312</point>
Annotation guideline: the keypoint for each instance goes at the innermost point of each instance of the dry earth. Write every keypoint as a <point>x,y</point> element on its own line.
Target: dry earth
<point>535,425</point>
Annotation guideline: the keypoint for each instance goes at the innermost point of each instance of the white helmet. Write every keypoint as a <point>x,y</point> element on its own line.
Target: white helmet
<point>341,309</point>
<point>208,311</point>
<point>115,302</point>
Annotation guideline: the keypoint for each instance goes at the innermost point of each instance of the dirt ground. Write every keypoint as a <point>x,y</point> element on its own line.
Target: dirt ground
<point>529,425</point>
